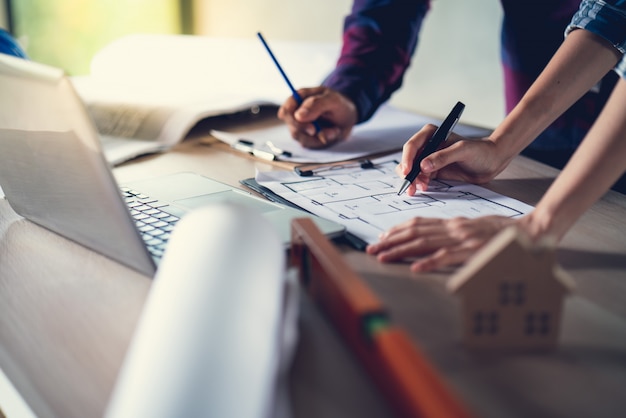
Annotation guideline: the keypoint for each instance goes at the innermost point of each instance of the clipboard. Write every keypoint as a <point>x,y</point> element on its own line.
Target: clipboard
<point>347,238</point>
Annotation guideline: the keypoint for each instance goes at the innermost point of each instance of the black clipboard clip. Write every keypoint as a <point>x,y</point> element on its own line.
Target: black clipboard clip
<point>302,171</point>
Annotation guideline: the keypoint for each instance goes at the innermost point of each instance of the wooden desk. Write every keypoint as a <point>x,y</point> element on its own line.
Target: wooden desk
<point>67,316</point>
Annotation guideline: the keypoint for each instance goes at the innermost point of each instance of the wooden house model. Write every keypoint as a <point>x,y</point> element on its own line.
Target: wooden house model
<point>511,294</point>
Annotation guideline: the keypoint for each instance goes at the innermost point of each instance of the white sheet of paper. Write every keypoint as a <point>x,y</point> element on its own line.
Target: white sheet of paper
<point>387,131</point>
<point>367,203</point>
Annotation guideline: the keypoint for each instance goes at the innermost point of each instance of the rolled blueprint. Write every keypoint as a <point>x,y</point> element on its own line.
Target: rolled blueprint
<point>207,342</point>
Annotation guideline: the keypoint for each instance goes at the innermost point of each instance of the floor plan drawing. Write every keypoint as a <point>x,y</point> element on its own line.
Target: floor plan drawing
<point>365,200</point>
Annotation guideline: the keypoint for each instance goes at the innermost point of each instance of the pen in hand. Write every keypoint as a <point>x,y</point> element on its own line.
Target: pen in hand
<point>438,138</point>
<point>294,93</point>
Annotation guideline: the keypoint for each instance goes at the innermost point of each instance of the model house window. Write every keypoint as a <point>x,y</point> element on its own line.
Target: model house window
<point>512,293</point>
<point>486,323</point>
<point>538,323</point>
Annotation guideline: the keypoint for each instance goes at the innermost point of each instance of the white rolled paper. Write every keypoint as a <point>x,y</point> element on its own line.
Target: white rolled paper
<point>207,343</point>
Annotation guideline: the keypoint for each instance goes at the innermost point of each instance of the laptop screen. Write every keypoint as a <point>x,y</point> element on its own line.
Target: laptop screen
<point>52,169</point>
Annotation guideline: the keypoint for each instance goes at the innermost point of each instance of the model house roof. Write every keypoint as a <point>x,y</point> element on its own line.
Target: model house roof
<point>511,254</point>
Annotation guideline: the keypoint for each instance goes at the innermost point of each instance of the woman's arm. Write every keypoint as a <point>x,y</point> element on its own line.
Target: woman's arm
<point>583,59</point>
<point>597,164</point>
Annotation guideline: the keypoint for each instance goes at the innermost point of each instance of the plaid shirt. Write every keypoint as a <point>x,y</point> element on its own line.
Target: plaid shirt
<point>380,37</point>
<point>606,19</point>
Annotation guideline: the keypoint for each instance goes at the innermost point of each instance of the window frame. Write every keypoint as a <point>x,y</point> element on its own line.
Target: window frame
<point>7,16</point>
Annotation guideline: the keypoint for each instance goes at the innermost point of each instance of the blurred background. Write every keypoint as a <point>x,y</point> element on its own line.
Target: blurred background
<point>457,58</point>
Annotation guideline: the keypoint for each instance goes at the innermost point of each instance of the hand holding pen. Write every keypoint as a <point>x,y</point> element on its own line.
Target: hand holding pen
<point>338,112</point>
<point>294,92</point>
<point>307,107</point>
<point>432,145</point>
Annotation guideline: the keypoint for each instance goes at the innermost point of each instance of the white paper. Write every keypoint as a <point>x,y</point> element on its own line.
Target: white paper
<point>367,203</point>
<point>386,131</point>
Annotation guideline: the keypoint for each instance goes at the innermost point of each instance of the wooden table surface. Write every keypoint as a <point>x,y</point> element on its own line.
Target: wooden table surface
<point>67,315</point>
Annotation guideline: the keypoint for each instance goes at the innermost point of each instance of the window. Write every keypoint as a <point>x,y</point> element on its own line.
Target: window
<point>486,323</point>
<point>537,323</point>
<point>512,293</point>
<point>67,33</point>
<point>4,15</point>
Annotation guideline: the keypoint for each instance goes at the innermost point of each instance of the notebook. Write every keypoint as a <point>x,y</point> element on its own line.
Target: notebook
<point>53,172</point>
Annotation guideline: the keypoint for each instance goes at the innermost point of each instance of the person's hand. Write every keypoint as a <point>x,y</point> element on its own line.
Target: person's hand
<point>470,160</point>
<point>335,113</point>
<point>435,243</point>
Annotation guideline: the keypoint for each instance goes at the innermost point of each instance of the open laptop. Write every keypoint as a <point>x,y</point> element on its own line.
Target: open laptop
<point>53,172</point>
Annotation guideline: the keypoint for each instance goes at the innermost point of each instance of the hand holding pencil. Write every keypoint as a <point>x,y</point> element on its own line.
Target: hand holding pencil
<point>316,117</point>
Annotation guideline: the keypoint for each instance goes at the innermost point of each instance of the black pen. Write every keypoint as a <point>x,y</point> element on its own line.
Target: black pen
<point>438,138</point>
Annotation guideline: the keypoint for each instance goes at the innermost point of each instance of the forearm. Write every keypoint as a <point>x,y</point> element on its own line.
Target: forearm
<point>596,165</point>
<point>576,67</point>
<point>379,40</point>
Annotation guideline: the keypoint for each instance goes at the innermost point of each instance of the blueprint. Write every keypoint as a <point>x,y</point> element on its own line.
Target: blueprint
<point>365,200</point>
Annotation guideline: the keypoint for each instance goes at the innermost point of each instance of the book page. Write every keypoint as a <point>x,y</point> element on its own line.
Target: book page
<point>133,123</point>
<point>365,200</point>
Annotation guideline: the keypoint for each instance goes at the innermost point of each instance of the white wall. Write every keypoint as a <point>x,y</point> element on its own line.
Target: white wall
<point>457,58</point>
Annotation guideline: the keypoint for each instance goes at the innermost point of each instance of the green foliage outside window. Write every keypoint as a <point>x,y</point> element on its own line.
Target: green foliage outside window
<point>67,33</point>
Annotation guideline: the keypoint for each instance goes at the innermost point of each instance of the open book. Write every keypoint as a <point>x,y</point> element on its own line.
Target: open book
<point>145,92</point>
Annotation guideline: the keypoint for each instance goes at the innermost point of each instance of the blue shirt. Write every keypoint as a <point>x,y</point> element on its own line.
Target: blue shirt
<point>9,46</point>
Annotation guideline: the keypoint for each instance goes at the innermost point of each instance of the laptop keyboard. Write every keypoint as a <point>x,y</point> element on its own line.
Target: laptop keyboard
<point>154,224</point>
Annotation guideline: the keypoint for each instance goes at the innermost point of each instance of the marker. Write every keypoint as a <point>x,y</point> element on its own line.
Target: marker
<point>294,93</point>
<point>438,138</point>
<point>277,150</point>
<point>248,146</point>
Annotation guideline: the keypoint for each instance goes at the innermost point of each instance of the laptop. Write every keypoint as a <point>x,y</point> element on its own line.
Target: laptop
<point>53,173</point>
